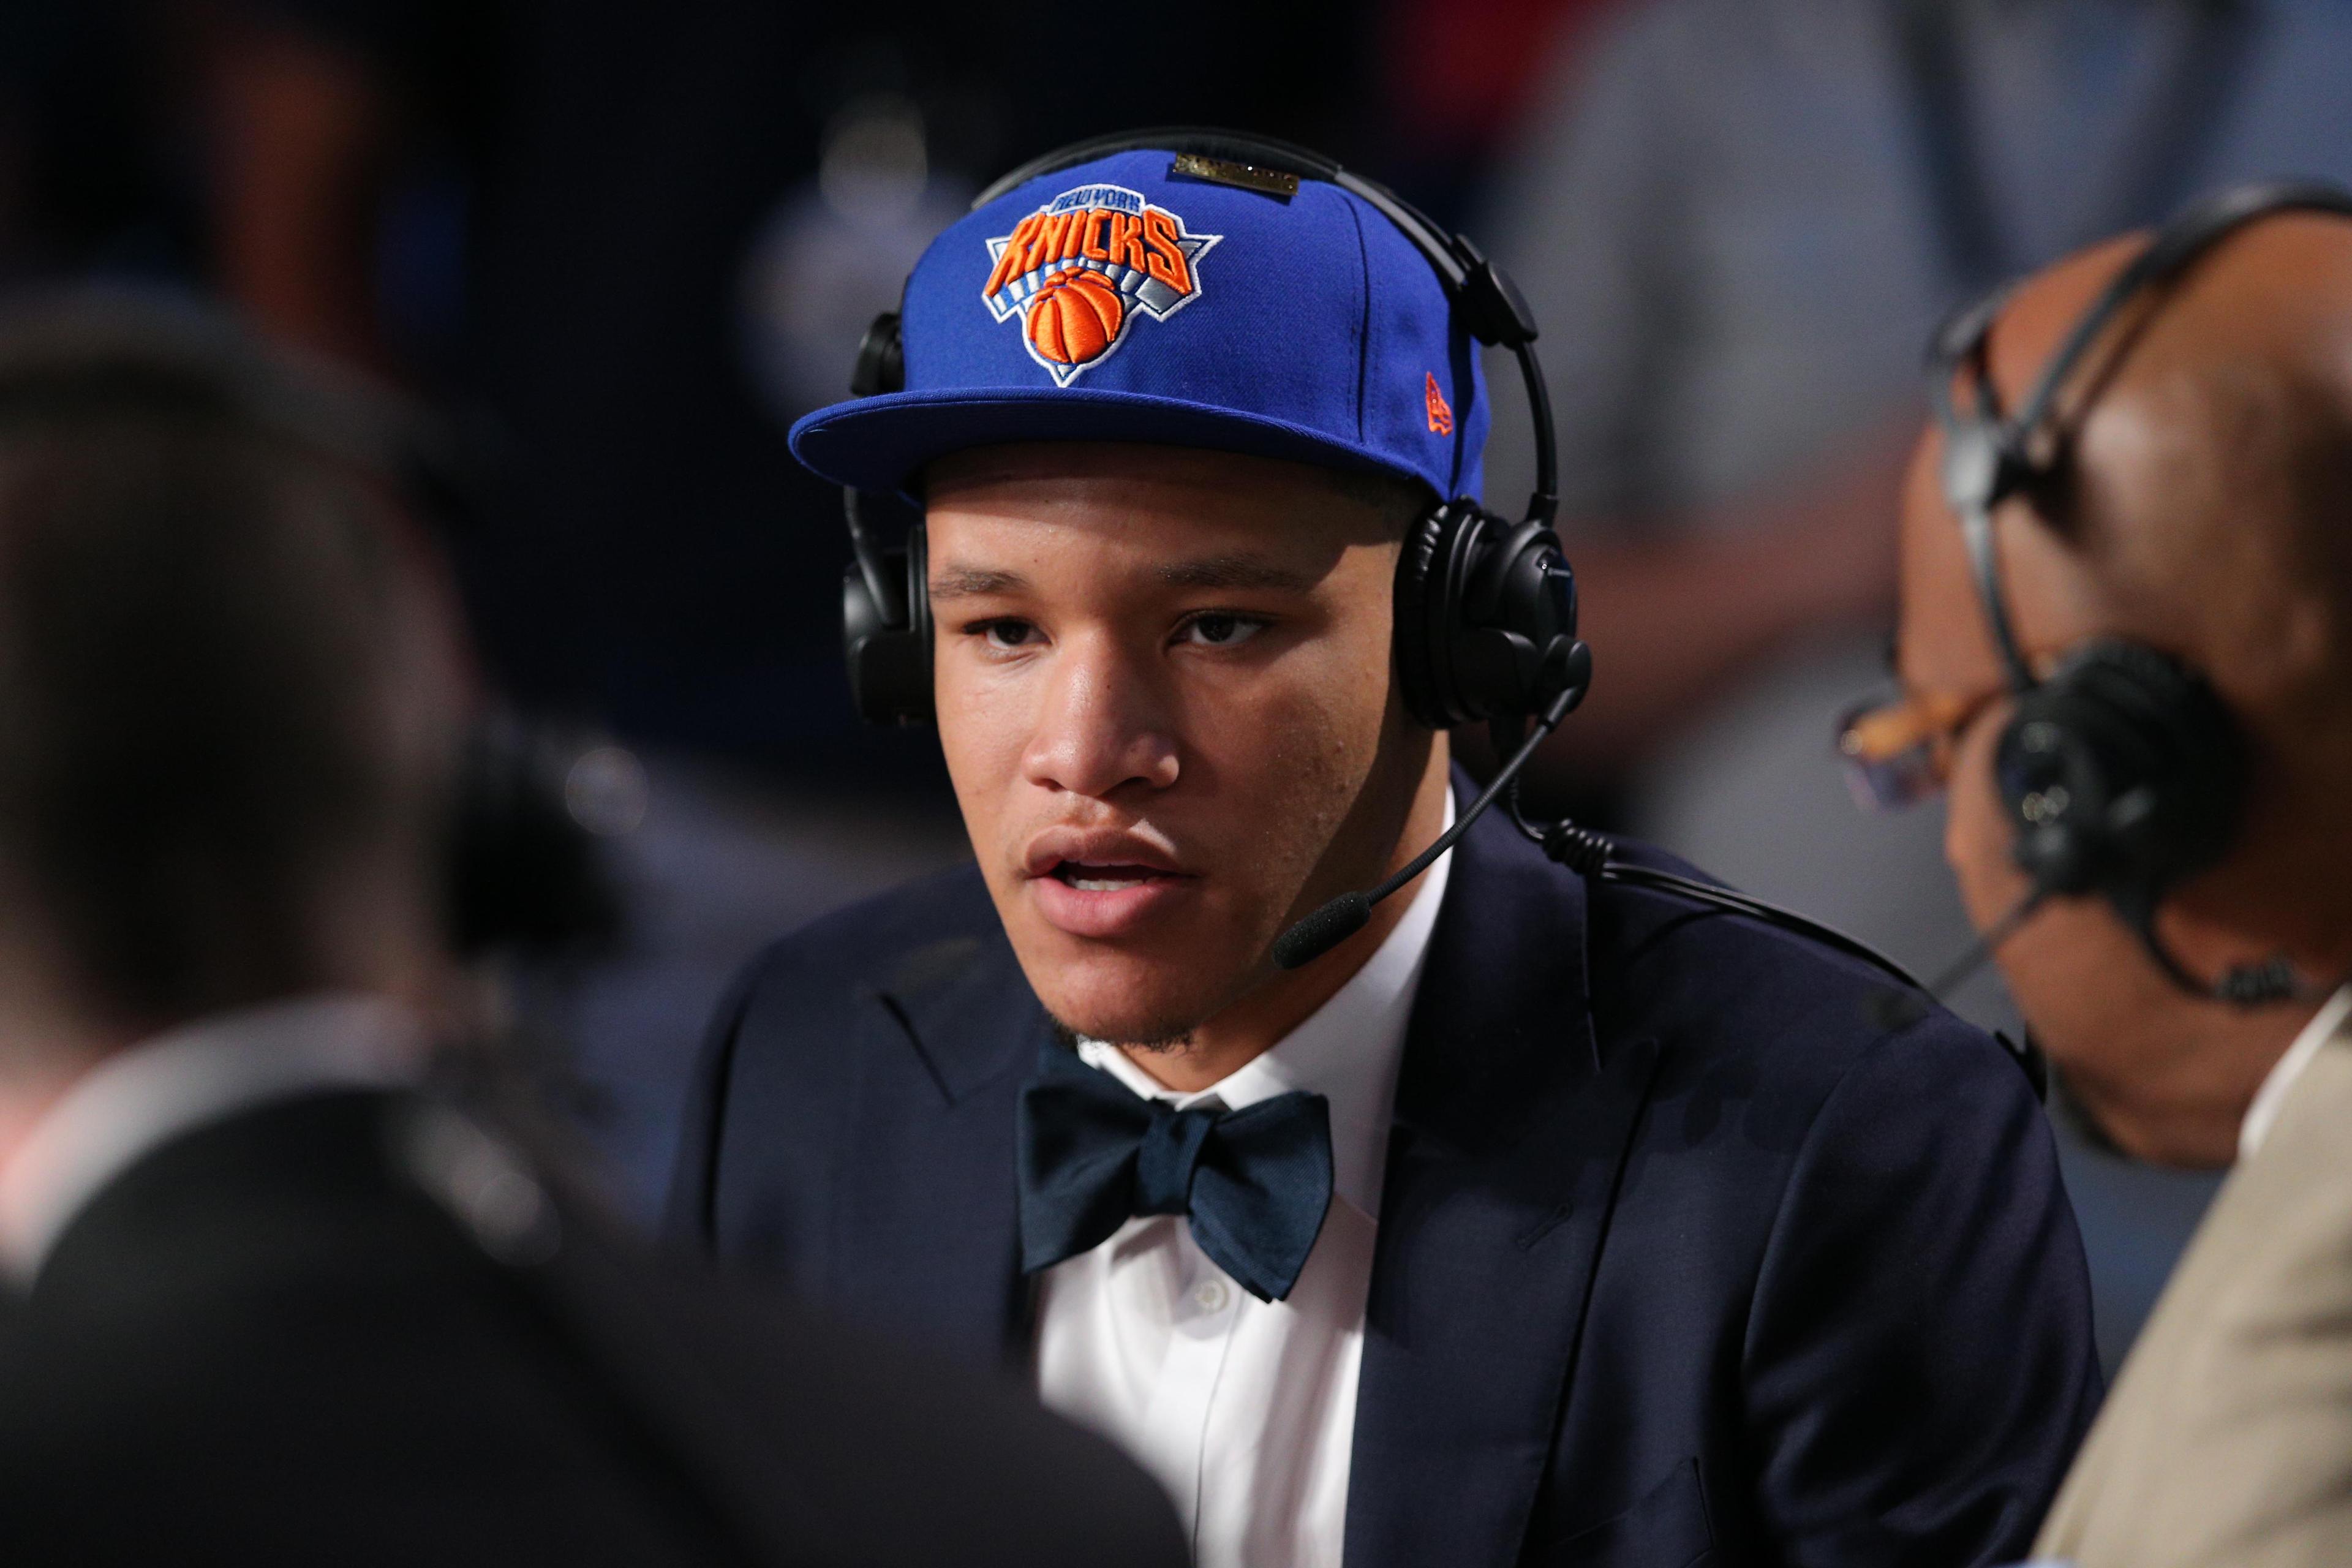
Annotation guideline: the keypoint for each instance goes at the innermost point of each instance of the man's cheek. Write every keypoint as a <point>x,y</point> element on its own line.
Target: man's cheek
<point>1313,768</point>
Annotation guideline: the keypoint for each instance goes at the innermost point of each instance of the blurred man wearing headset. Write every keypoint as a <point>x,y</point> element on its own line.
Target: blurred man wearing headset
<point>2127,645</point>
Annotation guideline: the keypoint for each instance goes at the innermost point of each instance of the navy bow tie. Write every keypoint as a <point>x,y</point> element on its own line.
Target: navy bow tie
<point>1255,1182</point>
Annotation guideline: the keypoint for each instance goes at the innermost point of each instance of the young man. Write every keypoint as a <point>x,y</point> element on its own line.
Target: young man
<point>2176,579</point>
<point>1539,1220</point>
<point>264,1297</point>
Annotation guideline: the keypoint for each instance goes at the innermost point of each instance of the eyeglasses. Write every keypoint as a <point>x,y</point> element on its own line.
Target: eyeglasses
<point>1899,752</point>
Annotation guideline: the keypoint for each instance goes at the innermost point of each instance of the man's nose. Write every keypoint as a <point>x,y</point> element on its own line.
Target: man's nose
<point>1102,726</point>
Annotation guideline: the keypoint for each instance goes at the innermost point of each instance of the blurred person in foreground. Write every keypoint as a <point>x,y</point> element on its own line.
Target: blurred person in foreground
<point>1538,1218</point>
<point>264,1294</point>
<point>2168,552</point>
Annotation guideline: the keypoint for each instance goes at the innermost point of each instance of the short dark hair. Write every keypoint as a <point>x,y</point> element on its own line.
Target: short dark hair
<point>1399,499</point>
<point>196,611</point>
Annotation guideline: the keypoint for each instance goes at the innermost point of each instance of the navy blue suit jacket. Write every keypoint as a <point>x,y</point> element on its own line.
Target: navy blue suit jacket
<point>1683,1259</point>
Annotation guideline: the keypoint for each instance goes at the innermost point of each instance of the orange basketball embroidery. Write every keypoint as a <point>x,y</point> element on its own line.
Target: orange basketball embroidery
<point>1075,316</point>
<point>1440,412</point>
<point>1082,269</point>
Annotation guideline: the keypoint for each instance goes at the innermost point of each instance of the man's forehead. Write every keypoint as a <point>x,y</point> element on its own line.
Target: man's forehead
<point>975,571</point>
<point>1186,519</point>
<point>1080,465</point>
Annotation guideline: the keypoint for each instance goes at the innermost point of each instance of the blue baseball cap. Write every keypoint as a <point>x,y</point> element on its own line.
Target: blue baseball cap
<point>1120,300</point>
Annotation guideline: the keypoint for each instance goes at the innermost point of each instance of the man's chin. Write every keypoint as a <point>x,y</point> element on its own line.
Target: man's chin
<point>1149,1024</point>
<point>1125,998</point>
<point>1130,1036</point>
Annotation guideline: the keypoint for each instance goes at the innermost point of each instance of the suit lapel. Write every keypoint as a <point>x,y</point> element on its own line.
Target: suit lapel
<point>924,1229</point>
<point>1511,1128</point>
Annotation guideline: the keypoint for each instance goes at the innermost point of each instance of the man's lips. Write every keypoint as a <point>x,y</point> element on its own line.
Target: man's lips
<point>1098,849</point>
<point>1102,885</point>
<point>1088,877</point>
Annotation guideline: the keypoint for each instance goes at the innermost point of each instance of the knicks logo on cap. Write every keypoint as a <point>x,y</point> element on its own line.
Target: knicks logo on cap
<point>1079,270</point>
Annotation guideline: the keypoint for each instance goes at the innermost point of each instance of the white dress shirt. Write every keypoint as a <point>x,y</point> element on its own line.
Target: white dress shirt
<point>2263,1114</point>
<point>139,1099</point>
<point>1243,1409</point>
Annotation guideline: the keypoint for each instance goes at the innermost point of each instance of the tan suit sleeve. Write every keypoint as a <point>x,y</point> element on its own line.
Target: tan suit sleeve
<point>2228,1440</point>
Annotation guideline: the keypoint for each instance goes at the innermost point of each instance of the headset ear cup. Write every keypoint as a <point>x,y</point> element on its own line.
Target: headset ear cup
<point>881,359</point>
<point>917,702</point>
<point>2122,775</point>
<point>889,658</point>
<point>1425,544</point>
<point>2048,778</point>
<point>1433,572</point>
<point>1486,618</point>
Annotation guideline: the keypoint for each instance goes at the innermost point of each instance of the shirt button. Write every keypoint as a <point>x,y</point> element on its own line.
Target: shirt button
<point>1211,1295</point>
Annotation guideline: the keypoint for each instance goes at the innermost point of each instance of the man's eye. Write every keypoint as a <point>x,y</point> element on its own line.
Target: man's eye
<point>1007,633</point>
<point>1217,629</point>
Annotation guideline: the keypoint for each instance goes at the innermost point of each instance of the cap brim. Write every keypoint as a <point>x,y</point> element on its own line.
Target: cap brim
<point>880,443</point>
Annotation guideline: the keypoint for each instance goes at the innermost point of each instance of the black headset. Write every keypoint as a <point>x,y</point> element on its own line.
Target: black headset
<point>2121,772</point>
<point>1486,606</point>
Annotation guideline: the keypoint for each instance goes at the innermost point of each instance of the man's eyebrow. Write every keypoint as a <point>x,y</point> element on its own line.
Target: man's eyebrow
<point>1235,571</point>
<point>973,582</point>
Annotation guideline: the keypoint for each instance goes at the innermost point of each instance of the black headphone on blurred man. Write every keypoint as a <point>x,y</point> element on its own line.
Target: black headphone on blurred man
<point>2122,773</point>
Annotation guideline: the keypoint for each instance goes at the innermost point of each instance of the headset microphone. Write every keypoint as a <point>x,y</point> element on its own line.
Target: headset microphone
<point>1485,604</point>
<point>1591,855</point>
<point>2241,985</point>
<point>1979,952</point>
<point>1348,913</point>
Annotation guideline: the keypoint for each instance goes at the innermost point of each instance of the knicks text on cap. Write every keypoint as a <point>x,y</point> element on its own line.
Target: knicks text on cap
<point>1078,269</point>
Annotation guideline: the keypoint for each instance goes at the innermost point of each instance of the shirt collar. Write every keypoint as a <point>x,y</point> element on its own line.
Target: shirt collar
<point>2271,1098</point>
<point>142,1097</point>
<point>1346,1050</point>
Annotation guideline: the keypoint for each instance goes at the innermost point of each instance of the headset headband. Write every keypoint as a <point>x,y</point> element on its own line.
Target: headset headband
<point>1990,457</point>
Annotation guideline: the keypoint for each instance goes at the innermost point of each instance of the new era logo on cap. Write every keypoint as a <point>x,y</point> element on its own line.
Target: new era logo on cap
<point>1078,269</point>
